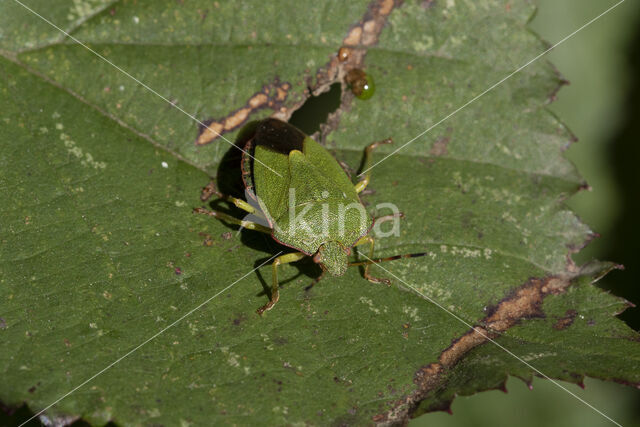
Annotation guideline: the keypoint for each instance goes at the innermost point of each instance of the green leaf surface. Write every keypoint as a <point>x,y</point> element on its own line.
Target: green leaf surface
<point>99,250</point>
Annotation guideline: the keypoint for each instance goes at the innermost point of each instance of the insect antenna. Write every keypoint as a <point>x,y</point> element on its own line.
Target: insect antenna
<point>391,258</point>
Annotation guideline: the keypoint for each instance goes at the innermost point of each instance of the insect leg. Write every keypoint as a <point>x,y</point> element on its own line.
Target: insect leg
<point>211,190</point>
<point>228,218</point>
<point>282,259</point>
<point>362,184</point>
<point>362,241</point>
<point>316,280</point>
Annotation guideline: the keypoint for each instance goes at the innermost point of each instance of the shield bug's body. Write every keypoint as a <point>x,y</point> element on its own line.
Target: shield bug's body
<point>305,197</point>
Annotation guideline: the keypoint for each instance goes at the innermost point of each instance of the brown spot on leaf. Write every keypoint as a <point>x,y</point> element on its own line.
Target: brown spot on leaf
<point>258,100</point>
<point>353,38</point>
<point>238,118</point>
<point>439,147</point>
<point>272,95</point>
<point>238,320</point>
<point>208,191</point>
<point>208,241</point>
<point>386,6</point>
<point>212,131</point>
<point>281,93</point>
<point>565,321</point>
<point>369,34</point>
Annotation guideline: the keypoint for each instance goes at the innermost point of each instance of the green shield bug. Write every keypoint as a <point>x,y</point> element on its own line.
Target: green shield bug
<point>309,205</point>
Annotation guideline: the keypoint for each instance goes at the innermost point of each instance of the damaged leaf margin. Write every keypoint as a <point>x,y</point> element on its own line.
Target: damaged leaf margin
<point>351,54</point>
<point>524,302</point>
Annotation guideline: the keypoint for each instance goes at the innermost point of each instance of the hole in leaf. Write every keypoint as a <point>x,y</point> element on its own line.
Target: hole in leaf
<point>316,110</point>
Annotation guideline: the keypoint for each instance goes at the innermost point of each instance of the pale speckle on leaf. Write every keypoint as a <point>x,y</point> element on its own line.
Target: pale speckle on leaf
<point>369,302</point>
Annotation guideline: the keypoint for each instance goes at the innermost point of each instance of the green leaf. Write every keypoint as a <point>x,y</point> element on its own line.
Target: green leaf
<point>100,251</point>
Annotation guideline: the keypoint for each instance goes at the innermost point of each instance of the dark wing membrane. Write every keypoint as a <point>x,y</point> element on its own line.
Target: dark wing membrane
<point>247,167</point>
<point>274,135</point>
<point>278,136</point>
